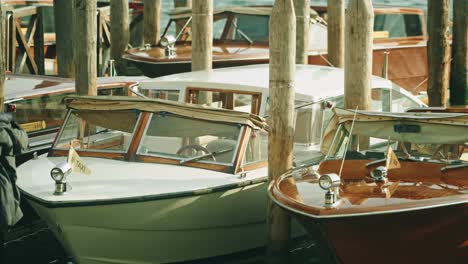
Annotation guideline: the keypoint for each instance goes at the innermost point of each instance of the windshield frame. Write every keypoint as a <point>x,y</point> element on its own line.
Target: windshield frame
<point>199,163</point>
<point>95,152</point>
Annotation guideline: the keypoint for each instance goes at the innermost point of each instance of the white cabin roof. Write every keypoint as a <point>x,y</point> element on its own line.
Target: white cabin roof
<point>23,85</point>
<point>312,82</point>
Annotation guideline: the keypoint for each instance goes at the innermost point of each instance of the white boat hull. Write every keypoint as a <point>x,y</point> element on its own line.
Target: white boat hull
<point>165,230</point>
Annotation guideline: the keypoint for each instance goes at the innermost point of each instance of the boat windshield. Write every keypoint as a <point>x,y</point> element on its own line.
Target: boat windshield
<point>186,139</point>
<point>107,131</point>
<point>242,27</point>
<point>375,148</point>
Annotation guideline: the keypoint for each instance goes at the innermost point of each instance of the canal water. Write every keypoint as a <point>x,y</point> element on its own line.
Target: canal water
<point>33,242</point>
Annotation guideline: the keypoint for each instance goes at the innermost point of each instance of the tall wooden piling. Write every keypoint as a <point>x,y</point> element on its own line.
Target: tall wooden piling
<point>459,66</point>
<point>438,51</point>
<point>120,32</point>
<point>85,46</point>
<point>202,40</point>
<point>183,3</point>
<point>336,32</point>
<point>302,10</point>
<point>281,137</point>
<point>2,57</point>
<point>358,54</point>
<point>152,21</point>
<point>64,28</point>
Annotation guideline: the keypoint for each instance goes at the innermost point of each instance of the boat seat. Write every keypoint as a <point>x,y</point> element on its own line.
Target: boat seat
<point>223,144</point>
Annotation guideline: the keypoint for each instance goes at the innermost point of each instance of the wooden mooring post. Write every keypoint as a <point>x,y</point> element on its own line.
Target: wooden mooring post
<point>336,32</point>
<point>302,11</point>
<point>120,32</point>
<point>85,46</point>
<point>64,27</point>
<point>459,66</point>
<point>281,136</point>
<point>438,51</point>
<point>2,57</point>
<point>358,54</point>
<point>152,22</point>
<point>202,41</point>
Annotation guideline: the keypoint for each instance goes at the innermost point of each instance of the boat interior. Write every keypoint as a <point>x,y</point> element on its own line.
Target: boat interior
<point>428,173</point>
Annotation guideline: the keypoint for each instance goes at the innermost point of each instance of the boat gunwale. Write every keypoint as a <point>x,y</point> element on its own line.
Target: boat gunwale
<point>143,198</point>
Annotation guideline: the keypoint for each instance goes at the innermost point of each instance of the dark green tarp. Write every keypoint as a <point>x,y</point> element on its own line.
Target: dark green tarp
<point>13,140</point>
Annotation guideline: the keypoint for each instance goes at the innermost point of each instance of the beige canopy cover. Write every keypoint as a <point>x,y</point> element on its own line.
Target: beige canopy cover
<point>437,128</point>
<point>116,103</point>
<point>247,10</point>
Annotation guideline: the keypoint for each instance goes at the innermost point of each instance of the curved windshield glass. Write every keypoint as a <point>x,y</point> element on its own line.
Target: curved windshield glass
<point>109,131</point>
<point>187,139</point>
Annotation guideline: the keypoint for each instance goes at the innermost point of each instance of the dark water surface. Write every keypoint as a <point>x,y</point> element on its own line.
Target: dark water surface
<point>34,243</point>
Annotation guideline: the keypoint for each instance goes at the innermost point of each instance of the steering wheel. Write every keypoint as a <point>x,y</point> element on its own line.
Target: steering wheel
<point>195,147</point>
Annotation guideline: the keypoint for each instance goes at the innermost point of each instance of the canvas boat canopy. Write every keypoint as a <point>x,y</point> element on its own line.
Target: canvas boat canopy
<point>436,128</point>
<point>183,12</point>
<point>115,103</point>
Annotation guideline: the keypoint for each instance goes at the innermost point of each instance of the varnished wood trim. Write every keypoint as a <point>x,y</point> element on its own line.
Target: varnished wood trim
<point>254,166</point>
<point>141,126</point>
<point>256,96</point>
<point>91,154</point>
<point>241,150</point>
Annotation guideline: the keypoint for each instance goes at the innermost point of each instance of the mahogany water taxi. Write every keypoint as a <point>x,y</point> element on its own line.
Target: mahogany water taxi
<point>393,188</point>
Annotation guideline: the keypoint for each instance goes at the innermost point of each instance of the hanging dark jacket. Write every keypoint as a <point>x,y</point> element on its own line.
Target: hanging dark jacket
<point>13,140</point>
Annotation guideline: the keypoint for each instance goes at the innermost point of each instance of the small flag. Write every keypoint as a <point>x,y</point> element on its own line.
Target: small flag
<point>392,160</point>
<point>76,163</point>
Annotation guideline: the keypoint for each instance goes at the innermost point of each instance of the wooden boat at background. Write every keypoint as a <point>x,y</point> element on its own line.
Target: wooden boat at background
<point>241,38</point>
<point>413,214</point>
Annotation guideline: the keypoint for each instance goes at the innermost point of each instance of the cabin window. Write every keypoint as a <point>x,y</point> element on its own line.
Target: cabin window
<point>115,91</point>
<point>218,27</point>
<point>257,148</point>
<point>256,28</point>
<point>243,102</point>
<point>318,37</point>
<point>182,138</point>
<point>41,112</point>
<point>398,25</point>
<point>98,130</point>
<point>171,95</point>
<point>309,119</point>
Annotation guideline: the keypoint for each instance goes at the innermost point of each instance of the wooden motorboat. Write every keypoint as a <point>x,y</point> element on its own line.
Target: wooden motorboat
<point>35,103</point>
<point>172,178</point>
<point>241,37</point>
<point>372,213</point>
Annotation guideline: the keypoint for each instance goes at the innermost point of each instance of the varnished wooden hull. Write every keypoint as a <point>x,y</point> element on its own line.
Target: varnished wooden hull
<point>432,235</point>
<point>154,70</point>
<point>407,66</point>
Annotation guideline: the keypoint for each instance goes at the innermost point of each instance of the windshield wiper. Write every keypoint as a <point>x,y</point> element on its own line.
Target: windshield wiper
<point>209,154</point>
<point>241,33</point>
